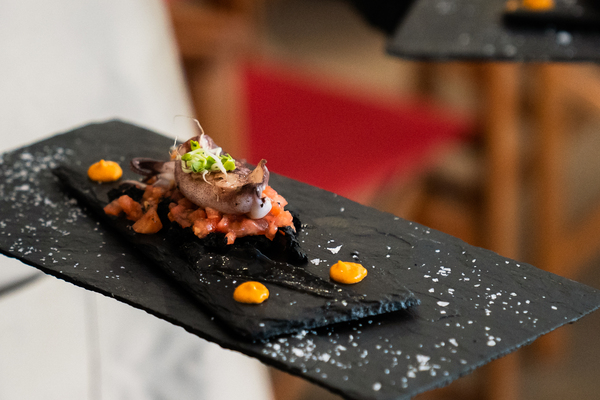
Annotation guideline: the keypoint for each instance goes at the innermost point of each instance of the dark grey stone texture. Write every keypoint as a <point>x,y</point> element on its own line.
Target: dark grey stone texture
<point>479,30</point>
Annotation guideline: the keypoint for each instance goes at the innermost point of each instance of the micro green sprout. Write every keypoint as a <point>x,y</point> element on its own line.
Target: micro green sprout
<point>200,160</point>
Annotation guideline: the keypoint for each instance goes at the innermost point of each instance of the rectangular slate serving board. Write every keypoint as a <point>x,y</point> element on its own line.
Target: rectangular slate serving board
<point>476,30</point>
<point>475,305</point>
<point>287,310</point>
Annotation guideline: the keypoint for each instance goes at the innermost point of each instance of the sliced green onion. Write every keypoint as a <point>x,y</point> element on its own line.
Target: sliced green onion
<point>199,160</point>
<point>229,164</point>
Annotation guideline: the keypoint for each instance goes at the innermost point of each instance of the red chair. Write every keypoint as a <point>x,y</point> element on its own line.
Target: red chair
<point>341,139</point>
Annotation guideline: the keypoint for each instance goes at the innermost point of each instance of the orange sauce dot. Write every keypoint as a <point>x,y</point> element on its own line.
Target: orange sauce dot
<point>251,293</point>
<point>538,5</point>
<point>347,272</point>
<point>105,171</point>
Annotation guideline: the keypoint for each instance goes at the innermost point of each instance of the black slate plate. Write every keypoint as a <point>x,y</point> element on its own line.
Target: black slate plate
<point>475,305</point>
<point>566,14</point>
<point>476,30</point>
<point>207,275</point>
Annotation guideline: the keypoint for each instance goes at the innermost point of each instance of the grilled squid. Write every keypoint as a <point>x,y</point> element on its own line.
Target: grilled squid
<point>234,192</point>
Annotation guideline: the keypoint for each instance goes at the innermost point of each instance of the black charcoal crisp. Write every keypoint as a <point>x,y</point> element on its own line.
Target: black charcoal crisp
<point>475,305</point>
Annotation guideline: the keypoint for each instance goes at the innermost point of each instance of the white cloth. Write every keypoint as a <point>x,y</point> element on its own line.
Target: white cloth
<point>63,64</point>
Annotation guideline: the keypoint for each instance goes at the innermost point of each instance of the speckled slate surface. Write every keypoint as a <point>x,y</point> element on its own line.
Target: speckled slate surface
<point>475,305</point>
<point>475,30</point>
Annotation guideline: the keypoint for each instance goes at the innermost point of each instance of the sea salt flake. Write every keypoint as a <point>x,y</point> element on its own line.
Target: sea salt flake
<point>334,250</point>
<point>298,352</point>
<point>423,362</point>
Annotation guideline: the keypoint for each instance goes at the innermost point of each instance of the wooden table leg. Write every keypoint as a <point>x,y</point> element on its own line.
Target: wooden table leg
<point>550,146</point>
<point>213,43</point>
<point>215,86</point>
<point>550,166</point>
<point>501,120</point>
<point>502,149</point>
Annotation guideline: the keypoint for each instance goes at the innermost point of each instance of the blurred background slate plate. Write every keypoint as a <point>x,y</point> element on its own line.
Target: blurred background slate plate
<point>287,310</point>
<point>475,305</point>
<point>565,14</point>
<point>476,30</point>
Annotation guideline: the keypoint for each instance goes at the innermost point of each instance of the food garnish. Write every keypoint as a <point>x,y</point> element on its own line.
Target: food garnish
<point>347,272</point>
<point>251,293</point>
<point>201,160</point>
<point>105,171</point>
